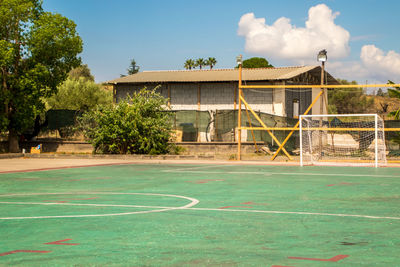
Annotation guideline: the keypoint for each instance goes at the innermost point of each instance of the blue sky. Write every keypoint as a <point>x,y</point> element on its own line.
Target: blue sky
<point>362,37</point>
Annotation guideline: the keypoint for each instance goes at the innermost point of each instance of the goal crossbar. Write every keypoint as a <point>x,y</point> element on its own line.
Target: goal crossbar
<point>336,138</point>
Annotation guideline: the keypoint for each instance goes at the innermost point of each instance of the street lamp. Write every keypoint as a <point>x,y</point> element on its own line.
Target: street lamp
<point>322,57</point>
<point>239,60</point>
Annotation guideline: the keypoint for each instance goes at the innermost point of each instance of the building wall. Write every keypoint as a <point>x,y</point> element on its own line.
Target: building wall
<point>122,90</point>
<point>316,107</point>
<point>213,96</point>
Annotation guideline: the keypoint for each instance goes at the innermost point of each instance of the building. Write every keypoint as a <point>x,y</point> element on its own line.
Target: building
<point>217,89</point>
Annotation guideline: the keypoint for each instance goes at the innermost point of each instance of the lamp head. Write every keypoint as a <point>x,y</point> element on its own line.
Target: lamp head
<point>322,56</point>
<point>239,60</point>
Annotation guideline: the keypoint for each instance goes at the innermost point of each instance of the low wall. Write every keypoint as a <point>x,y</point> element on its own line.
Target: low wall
<point>189,148</point>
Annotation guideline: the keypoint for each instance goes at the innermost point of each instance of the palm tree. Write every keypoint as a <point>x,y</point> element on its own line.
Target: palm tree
<point>189,64</point>
<point>200,62</point>
<point>211,61</point>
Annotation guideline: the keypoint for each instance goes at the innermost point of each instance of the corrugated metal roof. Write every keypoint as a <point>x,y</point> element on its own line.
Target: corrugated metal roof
<point>218,75</point>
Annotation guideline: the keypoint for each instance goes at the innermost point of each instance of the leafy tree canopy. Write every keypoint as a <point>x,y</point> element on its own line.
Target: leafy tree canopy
<point>349,100</point>
<point>82,71</point>
<point>200,62</point>
<point>211,61</point>
<point>137,125</point>
<point>395,93</point>
<point>79,94</point>
<point>37,50</point>
<point>133,68</point>
<point>189,64</point>
<point>256,62</point>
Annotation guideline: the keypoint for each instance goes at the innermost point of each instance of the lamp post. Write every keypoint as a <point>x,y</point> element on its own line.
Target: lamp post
<point>239,61</point>
<point>322,57</point>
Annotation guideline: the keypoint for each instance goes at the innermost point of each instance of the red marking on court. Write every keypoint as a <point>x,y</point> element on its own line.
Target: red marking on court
<point>340,184</point>
<point>252,203</point>
<point>21,250</point>
<point>59,242</point>
<point>333,259</point>
<point>227,207</point>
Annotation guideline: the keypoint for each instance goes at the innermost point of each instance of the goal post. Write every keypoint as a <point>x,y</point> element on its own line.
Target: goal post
<point>342,140</point>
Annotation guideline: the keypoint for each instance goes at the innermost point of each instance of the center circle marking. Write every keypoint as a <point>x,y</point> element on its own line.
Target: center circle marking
<point>191,204</point>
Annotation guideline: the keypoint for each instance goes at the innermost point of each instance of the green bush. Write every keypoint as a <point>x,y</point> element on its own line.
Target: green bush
<point>137,125</point>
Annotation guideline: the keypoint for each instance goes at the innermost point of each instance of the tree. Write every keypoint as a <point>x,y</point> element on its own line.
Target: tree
<point>81,71</point>
<point>349,100</point>
<point>137,125</point>
<point>79,94</point>
<point>200,62</point>
<point>394,93</point>
<point>133,68</point>
<point>37,50</point>
<point>211,61</point>
<point>189,64</point>
<point>256,62</point>
<point>380,92</point>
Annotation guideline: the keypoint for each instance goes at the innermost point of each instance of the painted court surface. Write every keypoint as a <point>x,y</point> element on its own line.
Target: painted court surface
<point>200,215</point>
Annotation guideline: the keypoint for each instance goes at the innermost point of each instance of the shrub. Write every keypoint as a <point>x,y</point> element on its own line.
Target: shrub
<point>137,125</point>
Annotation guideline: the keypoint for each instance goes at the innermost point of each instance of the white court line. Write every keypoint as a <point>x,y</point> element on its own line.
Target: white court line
<point>290,173</point>
<point>192,203</point>
<point>185,208</point>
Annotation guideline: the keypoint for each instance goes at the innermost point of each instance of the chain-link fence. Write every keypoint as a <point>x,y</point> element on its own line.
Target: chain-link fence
<point>212,126</point>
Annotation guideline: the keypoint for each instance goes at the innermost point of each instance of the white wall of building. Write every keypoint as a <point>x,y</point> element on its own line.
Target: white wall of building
<point>214,96</point>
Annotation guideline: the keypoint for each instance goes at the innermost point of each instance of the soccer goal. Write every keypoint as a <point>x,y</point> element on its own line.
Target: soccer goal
<point>342,140</point>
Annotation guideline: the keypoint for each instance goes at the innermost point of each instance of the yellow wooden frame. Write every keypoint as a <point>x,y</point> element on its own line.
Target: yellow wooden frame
<point>296,127</point>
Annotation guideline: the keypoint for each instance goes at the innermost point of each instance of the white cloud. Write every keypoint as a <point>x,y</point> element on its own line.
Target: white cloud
<point>380,65</point>
<point>282,40</point>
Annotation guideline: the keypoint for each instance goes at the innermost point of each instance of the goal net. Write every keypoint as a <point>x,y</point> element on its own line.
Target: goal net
<point>342,140</point>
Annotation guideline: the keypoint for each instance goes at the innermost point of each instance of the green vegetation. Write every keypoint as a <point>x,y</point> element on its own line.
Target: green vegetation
<point>82,71</point>
<point>200,62</point>
<point>348,100</point>
<point>189,64</point>
<point>79,94</point>
<point>133,68</point>
<point>137,125</point>
<point>394,93</point>
<point>256,62</point>
<point>211,61</point>
<point>37,50</point>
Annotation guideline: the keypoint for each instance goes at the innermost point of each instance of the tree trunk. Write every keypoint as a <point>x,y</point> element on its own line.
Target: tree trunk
<point>13,145</point>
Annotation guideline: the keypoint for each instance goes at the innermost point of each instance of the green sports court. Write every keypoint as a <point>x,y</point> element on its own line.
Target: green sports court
<point>200,215</point>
